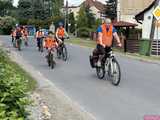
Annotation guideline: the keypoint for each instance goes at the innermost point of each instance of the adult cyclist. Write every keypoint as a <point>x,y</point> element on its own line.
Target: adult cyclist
<point>39,37</point>
<point>61,33</point>
<point>106,33</point>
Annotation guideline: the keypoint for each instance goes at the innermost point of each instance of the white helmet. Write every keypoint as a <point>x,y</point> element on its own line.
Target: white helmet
<point>108,21</point>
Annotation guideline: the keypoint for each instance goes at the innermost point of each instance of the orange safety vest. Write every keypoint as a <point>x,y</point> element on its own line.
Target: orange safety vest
<point>25,33</point>
<point>61,32</point>
<point>50,42</point>
<point>107,36</point>
<point>13,33</point>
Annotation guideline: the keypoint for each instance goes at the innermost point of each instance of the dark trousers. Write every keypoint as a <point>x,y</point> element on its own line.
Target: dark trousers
<point>102,50</point>
<point>39,42</point>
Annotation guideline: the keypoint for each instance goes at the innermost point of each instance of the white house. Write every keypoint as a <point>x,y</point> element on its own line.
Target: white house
<point>96,7</point>
<point>145,17</point>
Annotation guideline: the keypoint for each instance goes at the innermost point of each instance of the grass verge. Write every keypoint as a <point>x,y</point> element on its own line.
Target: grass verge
<point>15,83</point>
<point>92,44</point>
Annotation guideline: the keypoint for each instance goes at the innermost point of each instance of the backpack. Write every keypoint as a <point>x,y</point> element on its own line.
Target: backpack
<point>18,34</point>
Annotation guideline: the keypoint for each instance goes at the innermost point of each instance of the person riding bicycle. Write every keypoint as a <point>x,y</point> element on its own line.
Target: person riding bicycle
<point>13,34</point>
<point>39,37</point>
<point>61,33</point>
<point>106,33</point>
<point>25,35</point>
<point>50,43</point>
<point>18,34</point>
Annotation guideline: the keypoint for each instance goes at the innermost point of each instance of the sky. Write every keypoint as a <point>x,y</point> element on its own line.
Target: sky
<point>71,2</point>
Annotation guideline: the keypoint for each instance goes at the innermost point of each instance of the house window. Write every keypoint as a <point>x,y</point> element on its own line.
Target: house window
<point>149,17</point>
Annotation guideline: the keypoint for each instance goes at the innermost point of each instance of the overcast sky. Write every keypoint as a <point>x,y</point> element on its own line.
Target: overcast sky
<point>71,2</point>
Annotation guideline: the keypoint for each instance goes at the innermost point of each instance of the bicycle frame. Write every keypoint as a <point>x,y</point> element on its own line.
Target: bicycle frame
<point>109,63</point>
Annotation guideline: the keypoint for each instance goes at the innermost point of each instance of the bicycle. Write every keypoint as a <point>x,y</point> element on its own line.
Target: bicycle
<point>62,52</point>
<point>19,43</point>
<point>14,42</point>
<point>50,59</point>
<point>109,65</point>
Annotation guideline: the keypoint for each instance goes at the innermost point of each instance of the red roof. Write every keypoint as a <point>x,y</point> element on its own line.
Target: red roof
<point>140,16</point>
<point>89,3</point>
<point>124,24</point>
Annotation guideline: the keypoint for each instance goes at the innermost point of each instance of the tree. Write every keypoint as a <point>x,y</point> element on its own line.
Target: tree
<point>90,17</point>
<point>111,9</point>
<point>85,21</point>
<point>82,20</point>
<point>7,23</point>
<point>72,22</point>
<point>5,7</point>
<point>25,9</point>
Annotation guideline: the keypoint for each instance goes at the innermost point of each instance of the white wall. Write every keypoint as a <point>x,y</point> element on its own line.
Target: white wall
<point>147,24</point>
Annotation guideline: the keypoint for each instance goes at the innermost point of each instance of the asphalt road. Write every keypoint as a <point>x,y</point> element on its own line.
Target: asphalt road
<point>138,94</point>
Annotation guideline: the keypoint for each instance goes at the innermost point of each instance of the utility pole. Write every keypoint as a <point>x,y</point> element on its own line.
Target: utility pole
<point>118,10</point>
<point>153,22</point>
<point>66,16</point>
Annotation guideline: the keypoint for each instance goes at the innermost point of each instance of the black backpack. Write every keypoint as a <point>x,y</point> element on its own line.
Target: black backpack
<point>18,34</point>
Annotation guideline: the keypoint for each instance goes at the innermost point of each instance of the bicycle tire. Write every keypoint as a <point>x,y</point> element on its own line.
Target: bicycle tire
<point>64,53</point>
<point>116,82</point>
<point>19,44</point>
<point>100,72</point>
<point>52,61</point>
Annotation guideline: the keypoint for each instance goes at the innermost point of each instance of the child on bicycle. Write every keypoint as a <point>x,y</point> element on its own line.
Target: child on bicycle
<point>50,43</point>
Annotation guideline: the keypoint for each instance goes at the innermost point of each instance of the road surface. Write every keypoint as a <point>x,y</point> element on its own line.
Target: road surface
<point>138,94</point>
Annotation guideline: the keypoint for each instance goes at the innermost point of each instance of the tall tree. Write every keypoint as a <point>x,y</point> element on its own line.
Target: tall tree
<point>90,17</point>
<point>6,7</point>
<point>111,9</point>
<point>82,20</point>
<point>72,22</point>
<point>25,9</point>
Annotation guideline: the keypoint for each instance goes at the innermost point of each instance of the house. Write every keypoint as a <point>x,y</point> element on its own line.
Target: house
<point>145,17</point>
<point>96,7</point>
<point>127,9</point>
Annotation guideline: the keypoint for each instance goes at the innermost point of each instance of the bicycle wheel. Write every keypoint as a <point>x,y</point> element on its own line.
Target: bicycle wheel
<point>58,53</point>
<point>19,44</point>
<point>100,72</point>
<point>48,60</point>
<point>64,53</point>
<point>115,75</point>
<point>52,61</point>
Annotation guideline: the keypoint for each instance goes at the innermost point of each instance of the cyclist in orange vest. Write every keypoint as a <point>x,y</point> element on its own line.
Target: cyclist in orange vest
<point>61,33</point>
<point>39,37</point>
<point>13,34</point>
<point>106,33</point>
<point>25,33</point>
<point>50,41</point>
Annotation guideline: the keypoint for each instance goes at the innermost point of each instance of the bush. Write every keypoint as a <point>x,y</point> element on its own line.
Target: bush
<point>7,23</point>
<point>13,88</point>
<point>84,32</point>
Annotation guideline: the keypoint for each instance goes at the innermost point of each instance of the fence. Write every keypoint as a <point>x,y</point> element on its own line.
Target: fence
<point>156,47</point>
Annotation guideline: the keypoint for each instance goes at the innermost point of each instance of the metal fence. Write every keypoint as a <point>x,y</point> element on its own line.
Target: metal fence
<point>156,47</point>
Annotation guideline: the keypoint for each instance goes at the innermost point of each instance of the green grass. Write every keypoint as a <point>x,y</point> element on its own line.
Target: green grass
<point>83,42</point>
<point>15,84</point>
<point>91,44</point>
<point>31,83</point>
